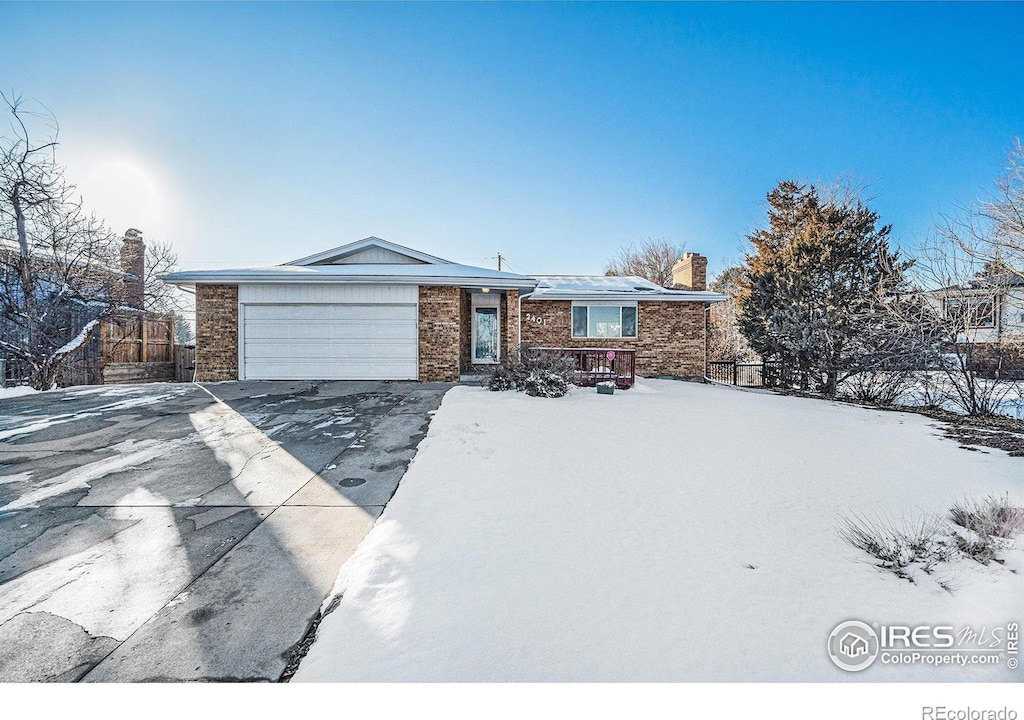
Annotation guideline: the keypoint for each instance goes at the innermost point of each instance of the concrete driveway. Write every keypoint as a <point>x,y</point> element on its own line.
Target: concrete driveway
<point>186,532</point>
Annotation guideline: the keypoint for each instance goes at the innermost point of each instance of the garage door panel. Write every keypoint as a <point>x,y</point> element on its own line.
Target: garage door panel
<point>342,330</point>
<point>283,350</point>
<point>317,313</point>
<point>259,370</point>
<point>330,342</point>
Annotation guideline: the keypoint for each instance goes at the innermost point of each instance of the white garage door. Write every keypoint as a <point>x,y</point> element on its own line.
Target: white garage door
<point>330,341</point>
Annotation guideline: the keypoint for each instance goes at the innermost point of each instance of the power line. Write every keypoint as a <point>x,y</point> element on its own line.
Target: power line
<point>512,267</point>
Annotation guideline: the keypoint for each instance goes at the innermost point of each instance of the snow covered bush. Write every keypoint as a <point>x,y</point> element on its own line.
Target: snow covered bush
<point>990,515</point>
<point>988,526</point>
<point>982,529</point>
<point>900,548</point>
<point>546,384</point>
<point>503,376</point>
<point>540,373</point>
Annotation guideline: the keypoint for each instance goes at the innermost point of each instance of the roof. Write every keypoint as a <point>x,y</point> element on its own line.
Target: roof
<point>613,287</point>
<point>343,264</point>
<point>425,270</point>
<point>10,246</point>
<point>985,283</point>
<point>343,251</point>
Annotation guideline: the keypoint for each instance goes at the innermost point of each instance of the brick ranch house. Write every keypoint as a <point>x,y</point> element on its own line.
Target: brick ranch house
<point>374,310</point>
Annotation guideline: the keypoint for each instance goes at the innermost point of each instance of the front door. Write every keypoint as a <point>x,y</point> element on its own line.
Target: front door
<point>485,335</point>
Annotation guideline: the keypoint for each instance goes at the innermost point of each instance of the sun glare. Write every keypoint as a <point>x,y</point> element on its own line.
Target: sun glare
<point>125,193</point>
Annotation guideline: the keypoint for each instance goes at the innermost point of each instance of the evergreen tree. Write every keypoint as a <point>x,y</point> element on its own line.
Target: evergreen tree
<point>816,280</point>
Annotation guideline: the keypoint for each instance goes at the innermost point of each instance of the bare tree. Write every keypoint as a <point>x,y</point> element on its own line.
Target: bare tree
<point>964,313</point>
<point>725,341</point>
<point>59,267</point>
<point>651,260</point>
<point>1004,209</point>
<point>991,230</point>
<point>161,297</point>
<point>962,329</point>
<point>161,258</point>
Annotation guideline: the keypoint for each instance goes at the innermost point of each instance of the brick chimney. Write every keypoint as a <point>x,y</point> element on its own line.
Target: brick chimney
<point>690,273</point>
<point>133,263</point>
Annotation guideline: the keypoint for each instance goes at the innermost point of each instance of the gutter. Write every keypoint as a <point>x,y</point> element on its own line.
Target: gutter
<point>702,297</point>
<point>519,328</point>
<point>190,279</point>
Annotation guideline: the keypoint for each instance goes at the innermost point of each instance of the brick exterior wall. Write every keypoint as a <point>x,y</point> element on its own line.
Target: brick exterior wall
<point>440,329</point>
<point>1007,360</point>
<point>671,340</point>
<point>466,332</point>
<point>671,335</point>
<point>509,321</point>
<point>216,332</point>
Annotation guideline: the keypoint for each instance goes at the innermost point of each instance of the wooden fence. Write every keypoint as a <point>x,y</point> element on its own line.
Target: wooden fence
<point>125,349</point>
<point>184,363</point>
<point>138,339</point>
<point>137,348</point>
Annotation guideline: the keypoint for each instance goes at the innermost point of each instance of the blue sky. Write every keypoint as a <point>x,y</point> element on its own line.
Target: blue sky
<point>553,133</point>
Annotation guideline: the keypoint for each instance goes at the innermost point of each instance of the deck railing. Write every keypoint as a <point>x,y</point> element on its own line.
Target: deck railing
<point>771,373</point>
<point>594,365</point>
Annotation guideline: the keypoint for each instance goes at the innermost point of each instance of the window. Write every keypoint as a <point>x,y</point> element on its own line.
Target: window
<point>972,312</point>
<point>603,321</point>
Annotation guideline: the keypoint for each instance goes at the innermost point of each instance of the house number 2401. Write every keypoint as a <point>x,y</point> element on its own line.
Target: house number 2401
<point>530,317</point>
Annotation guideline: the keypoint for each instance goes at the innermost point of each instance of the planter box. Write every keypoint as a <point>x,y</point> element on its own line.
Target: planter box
<point>605,390</point>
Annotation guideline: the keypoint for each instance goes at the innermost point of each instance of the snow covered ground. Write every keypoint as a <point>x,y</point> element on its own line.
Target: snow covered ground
<point>1008,396</point>
<point>677,531</point>
<point>17,391</point>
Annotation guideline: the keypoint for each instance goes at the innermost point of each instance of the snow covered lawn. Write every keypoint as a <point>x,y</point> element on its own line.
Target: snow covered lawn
<point>677,532</point>
<point>17,391</point>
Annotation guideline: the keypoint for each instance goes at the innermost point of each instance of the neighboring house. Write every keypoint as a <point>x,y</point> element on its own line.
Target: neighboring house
<point>990,311</point>
<point>376,310</point>
<point>130,345</point>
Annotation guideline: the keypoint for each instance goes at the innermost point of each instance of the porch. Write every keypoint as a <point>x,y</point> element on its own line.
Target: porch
<point>596,365</point>
<point>593,366</point>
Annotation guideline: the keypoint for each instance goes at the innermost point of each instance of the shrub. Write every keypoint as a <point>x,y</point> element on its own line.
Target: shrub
<point>980,548</point>
<point>928,391</point>
<point>882,387</point>
<point>899,548</point>
<point>503,377</point>
<point>540,373</point>
<point>991,515</point>
<point>986,527</point>
<point>990,524</point>
<point>546,384</point>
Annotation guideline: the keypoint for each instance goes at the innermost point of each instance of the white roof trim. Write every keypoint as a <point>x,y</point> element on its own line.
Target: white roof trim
<point>360,245</point>
<point>439,274</point>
